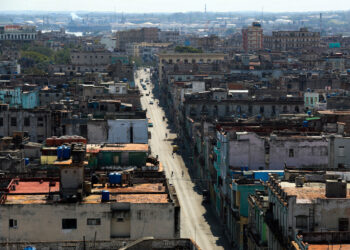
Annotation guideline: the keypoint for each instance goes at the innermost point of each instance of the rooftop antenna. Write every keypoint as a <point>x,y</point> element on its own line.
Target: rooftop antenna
<point>205,8</point>
<point>262,15</point>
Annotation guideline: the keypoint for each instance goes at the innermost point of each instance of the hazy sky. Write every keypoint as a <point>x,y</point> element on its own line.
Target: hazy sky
<point>141,6</point>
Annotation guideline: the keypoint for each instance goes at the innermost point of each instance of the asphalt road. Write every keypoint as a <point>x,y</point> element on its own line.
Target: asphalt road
<point>197,221</point>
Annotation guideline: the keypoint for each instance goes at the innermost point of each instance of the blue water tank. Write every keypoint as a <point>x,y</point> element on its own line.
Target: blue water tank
<point>309,112</point>
<point>29,248</point>
<point>66,153</point>
<point>59,152</point>
<point>105,195</point>
<point>115,178</point>
<point>26,161</point>
<point>118,178</point>
<point>111,178</point>
<point>305,124</point>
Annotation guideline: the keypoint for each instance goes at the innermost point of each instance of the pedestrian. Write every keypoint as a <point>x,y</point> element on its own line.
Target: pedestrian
<point>182,173</point>
<point>172,173</point>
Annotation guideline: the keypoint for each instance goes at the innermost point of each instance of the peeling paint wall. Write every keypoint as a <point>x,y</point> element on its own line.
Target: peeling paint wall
<point>43,222</point>
<point>298,153</point>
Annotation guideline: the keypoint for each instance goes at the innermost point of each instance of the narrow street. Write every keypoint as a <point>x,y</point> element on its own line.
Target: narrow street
<point>197,221</point>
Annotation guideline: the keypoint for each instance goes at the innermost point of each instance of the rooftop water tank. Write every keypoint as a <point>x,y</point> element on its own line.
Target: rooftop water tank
<point>305,124</point>
<point>29,248</point>
<point>59,152</point>
<point>66,153</point>
<point>115,178</point>
<point>105,195</point>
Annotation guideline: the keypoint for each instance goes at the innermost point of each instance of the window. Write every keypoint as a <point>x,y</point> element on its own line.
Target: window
<point>301,221</point>
<point>40,122</point>
<point>26,122</point>
<point>13,223</point>
<point>69,223</point>
<point>93,222</point>
<point>261,109</point>
<point>13,121</point>
<point>120,219</point>
<point>1,121</point>
<point>341,151</point>
<point>291,152</point>
<point>343,224</point>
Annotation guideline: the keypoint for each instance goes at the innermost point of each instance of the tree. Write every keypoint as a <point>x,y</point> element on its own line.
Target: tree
<point>187,49</point>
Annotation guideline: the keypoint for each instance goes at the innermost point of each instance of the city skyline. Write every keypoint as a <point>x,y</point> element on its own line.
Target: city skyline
<point>138,6</point>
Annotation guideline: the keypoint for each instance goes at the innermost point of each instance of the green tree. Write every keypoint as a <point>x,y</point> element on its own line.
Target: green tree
<point>187,49</point>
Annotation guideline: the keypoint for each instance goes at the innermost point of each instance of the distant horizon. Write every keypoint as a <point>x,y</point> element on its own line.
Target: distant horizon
<point>177,12</point>
<point>174,6</point>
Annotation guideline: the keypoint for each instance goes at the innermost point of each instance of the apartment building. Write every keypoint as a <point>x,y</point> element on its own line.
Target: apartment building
<point>286,40</point>
<point>125,37</point>
<point>113,211</point>
<point>252,37</point>
<point>18,32</point>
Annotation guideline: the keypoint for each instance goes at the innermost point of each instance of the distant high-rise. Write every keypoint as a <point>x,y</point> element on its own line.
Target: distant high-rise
<point>253,37</point>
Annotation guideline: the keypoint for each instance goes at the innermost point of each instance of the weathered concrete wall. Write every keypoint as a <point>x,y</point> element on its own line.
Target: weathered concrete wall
<point>248,150</point>
<point>339,152</point>
<point>119,131</point>
<point>38,222</point>
<point>298,153</point>
<point>39,123</point>
<point>157,220</point>
<point>113,244</point>
<point>97,131</point>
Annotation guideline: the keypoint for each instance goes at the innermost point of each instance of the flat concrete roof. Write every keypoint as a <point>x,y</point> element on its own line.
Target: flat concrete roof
<point>309,192</point>
<point>36,193</point>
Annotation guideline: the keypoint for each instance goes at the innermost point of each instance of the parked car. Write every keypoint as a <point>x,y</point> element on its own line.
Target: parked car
<point>206,197</point>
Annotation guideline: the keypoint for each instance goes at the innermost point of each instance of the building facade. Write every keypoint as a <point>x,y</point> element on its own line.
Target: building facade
<point>253,37</point>
<point>285,40</point>
<point>18,33</point>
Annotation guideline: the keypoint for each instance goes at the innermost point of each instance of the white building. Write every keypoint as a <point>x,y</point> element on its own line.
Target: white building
<point>45,211</point>
<point>311,207</point>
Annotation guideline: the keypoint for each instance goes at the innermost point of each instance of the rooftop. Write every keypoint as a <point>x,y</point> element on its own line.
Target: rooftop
<point>95,148</point>
<point>34,192</point>
<point>35,187</point>
<point>309,192</point>
<point>323,246</point>
<point>334,112</point>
